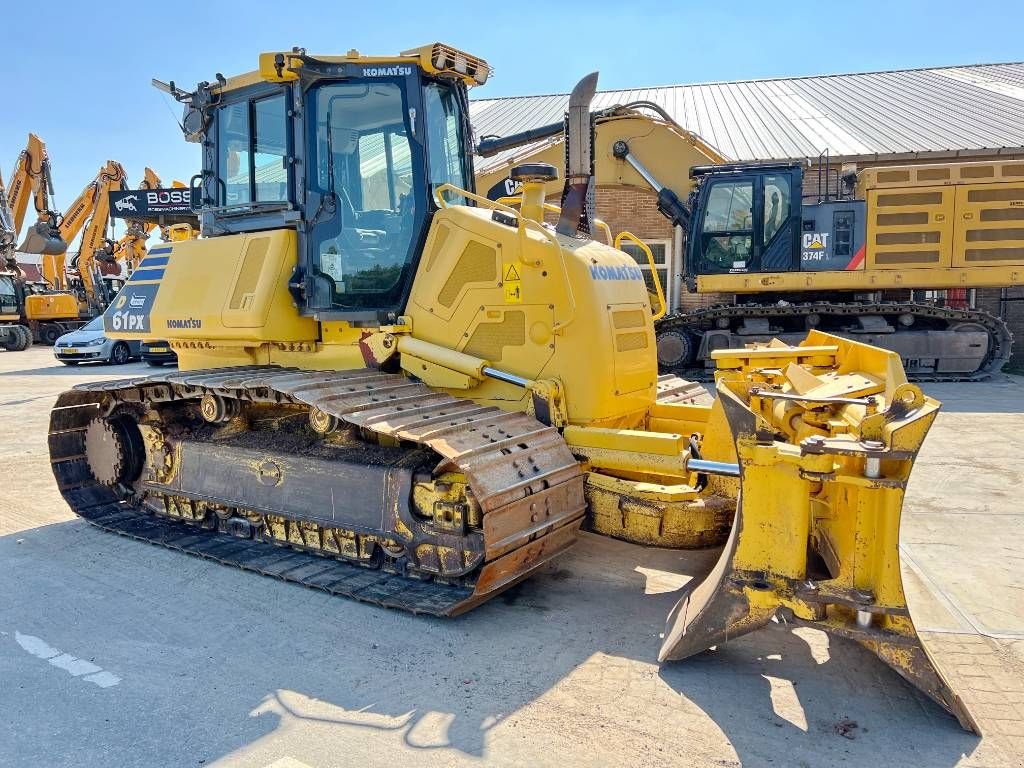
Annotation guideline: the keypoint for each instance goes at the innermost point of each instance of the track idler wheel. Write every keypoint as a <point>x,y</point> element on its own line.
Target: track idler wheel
<point>114,449</point>
<point>677,349</point>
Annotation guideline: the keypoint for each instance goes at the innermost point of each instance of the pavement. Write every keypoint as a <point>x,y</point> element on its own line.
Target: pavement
<point>117,653</point>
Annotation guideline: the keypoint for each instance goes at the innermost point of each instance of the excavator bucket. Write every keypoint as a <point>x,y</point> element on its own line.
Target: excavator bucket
<point>43,237</point>
<point>826,436</point>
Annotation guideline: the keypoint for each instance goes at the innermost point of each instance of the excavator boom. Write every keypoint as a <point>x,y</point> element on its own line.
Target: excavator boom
<point>32,179</point>
<point>88,215</point>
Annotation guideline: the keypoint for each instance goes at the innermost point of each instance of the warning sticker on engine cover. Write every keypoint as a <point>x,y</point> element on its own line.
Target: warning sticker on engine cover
<point>513,283</point>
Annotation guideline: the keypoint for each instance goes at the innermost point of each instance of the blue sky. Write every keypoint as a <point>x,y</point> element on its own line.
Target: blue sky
<point>78,73</point>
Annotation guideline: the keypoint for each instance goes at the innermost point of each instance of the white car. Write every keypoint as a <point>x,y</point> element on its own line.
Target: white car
<point>88,344</point>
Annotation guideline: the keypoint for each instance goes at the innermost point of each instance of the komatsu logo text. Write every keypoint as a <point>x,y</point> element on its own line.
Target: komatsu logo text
<point>185,322</point>
<point>616,273</point>
<point>387,71</point>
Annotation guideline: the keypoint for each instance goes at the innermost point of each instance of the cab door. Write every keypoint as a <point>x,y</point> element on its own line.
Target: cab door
<point>747,222</point>
<point>725,231</point>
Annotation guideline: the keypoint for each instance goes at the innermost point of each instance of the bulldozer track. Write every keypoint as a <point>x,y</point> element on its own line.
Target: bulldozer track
<point>528,484</point>
<point>1001,340</point>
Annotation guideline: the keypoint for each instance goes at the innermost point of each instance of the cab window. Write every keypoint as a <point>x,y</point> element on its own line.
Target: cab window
<point>233,154</point>
<point>776,205</point>
<point>727,233</point>
<point>445,143</point>
<point>270,149</point>
<point>366,171</point>
<point>252,151</point>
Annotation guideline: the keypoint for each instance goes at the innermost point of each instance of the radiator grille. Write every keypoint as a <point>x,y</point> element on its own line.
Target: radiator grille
<point>477,264</point>
<point>910,198</point>
<point>901,219</point>
<point>891,176</point>
<point>627,342</point>
<point>907,257</point>
<point>1002,214</point>
<point>490,339</point>
<point>628,318</point>
<point>977,172</point>
<point>906,238</point>
<point>995,195</point>
<point>249,277</point>
<point>995,254</point>
<point>988,235</point>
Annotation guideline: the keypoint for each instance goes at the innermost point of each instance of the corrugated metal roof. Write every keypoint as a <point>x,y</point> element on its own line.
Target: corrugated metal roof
<point>899,114</point>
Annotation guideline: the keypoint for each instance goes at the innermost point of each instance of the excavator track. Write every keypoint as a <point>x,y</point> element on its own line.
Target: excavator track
<point>521,482</point>
<point>688,327</point>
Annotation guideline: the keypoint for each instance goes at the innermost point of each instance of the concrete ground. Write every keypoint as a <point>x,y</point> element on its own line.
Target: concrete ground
<point>116,653</point>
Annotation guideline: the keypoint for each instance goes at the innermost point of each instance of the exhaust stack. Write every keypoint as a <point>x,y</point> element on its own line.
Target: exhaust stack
<point>577,216</point>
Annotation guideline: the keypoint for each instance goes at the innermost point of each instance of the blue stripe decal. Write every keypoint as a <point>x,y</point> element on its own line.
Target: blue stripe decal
<point>161,249</point>
<point>155,261</point>
<point>146,274</point>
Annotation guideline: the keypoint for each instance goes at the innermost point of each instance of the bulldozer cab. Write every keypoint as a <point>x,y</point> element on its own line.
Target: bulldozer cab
<point>348,155</point>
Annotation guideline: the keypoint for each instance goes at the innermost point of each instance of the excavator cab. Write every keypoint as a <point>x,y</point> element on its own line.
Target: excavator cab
<point>750,218</point>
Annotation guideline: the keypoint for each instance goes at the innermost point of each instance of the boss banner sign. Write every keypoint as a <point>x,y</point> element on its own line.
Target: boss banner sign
<point>165,206</point>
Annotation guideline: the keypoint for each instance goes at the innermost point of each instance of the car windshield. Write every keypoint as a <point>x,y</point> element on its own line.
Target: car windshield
<point>96,324</point>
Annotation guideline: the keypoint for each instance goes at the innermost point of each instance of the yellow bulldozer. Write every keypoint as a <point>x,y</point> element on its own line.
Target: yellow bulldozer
<point>396,390</point>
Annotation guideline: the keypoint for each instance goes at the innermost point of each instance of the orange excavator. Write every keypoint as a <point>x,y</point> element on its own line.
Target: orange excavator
<point>79,292</point>
<point>32,179</point>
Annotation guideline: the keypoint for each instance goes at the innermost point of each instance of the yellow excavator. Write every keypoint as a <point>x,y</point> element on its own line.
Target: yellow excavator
<point>396,390</point>
<point>130,248</point>
<point>14,334</point>
<point>32,179</point>
<point>859,254</point>
<point>78,294</point>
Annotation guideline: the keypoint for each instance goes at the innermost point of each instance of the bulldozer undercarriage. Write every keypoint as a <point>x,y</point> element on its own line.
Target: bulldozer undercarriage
<point>375,487</point>
<point>420,501</point>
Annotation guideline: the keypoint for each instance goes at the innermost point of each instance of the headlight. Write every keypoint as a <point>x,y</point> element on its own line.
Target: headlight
<point>94,342</point>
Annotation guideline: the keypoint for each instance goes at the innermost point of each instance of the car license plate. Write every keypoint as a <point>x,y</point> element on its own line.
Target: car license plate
<point>159,349</point>
<point>70,351</point>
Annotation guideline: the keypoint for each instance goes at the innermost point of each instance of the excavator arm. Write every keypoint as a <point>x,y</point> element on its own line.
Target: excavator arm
<point>130,249</point>
<point>89,215</point>
<point>32,179</point>
<point>8,232</point>
<point>628,141</point>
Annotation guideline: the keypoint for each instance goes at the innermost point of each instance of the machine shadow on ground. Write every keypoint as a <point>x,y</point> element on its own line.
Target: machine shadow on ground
<point>229,657</point>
